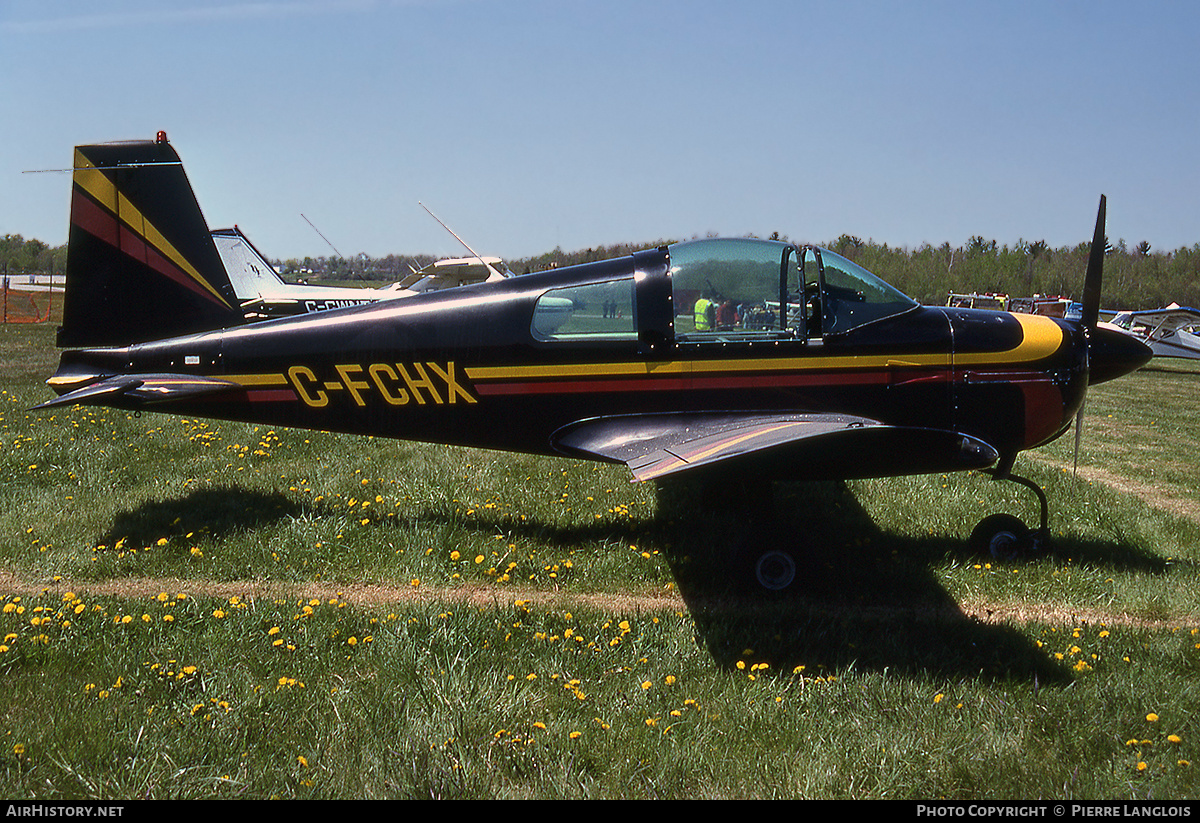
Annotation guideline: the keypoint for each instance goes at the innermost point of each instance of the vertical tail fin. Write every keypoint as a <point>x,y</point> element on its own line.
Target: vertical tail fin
<point>140,262</point>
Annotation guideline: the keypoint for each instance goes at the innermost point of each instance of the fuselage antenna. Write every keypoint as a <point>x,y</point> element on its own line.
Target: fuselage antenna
<point>323,237</point>
<point>474,253</point>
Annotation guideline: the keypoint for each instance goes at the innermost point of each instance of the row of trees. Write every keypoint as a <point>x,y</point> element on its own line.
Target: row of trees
<point>1137,278</point>
<point>21,256</point>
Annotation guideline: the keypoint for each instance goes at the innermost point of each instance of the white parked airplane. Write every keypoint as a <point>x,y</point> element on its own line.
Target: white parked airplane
<point>1169,331</point>
<point>263,293</point>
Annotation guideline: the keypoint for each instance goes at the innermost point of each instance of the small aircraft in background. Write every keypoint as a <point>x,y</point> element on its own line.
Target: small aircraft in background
<point>263,294</point>
<point>813,368</point>
<point>1041,304</point>
<point>1169,331</point>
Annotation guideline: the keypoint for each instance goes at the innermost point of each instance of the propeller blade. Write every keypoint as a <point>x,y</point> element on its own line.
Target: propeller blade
<point>1091,307</point>
<point>1095,271</point>
<point>1078,439</point>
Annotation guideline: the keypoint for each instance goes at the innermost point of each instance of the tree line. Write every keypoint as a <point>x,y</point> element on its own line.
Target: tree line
<point>21,256</point>
<point>1134,278</point>
<point>1137,278</point>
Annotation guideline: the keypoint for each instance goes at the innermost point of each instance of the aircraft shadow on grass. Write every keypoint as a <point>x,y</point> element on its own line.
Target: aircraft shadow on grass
<point>863,597</point>
<point>216,512</point>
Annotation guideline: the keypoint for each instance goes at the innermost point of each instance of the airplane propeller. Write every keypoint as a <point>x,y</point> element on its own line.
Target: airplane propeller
<point>1091,308</point>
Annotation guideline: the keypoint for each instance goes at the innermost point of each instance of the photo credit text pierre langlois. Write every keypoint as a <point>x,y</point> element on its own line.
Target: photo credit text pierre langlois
<point>1055,810</point>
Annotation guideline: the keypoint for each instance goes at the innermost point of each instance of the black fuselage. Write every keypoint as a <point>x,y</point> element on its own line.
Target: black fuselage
<point>466,366</point>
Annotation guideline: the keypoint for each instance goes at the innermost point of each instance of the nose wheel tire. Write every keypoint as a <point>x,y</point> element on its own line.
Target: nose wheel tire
<point>1002,536</point>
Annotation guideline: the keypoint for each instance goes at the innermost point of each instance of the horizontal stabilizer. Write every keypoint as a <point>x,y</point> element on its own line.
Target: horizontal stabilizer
<point>780,446</point>
<point>138,390</point>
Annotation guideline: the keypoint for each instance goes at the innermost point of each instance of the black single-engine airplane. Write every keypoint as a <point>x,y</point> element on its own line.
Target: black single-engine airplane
<point>756,359</point>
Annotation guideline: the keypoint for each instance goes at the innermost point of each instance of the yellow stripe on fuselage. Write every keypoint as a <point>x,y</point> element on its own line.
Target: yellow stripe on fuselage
<point>1041,338</point>
<point>257,379</point>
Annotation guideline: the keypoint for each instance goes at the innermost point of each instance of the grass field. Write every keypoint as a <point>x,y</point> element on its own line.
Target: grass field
<point>193,608</point>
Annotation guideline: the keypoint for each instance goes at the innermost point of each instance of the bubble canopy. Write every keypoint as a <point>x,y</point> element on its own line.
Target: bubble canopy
<point>751,287</point>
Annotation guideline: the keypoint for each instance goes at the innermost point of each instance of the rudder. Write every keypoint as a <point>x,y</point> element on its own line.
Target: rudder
<point>140,262</point>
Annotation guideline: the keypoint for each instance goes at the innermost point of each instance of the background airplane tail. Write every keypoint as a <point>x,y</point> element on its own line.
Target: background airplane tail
<point>140,262</point>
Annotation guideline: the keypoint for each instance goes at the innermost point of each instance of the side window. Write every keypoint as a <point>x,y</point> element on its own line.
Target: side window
<point>594,311</point>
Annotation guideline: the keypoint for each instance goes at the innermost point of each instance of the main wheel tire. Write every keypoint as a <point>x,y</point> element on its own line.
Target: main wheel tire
<point>774,570</point>
<point>1001,536</point>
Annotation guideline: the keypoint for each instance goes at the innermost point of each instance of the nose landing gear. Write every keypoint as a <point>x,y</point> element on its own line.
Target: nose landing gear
<point>1005,537</point>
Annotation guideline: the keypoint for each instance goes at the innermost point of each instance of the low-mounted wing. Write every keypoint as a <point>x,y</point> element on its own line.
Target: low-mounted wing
<point>780,446</point>
<point>140,389</point>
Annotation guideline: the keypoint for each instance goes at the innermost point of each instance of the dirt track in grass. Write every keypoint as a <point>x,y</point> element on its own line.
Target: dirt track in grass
<point>486,597</point>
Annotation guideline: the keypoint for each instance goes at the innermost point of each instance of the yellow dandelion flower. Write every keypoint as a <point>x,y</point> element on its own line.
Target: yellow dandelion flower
<point>1152,718</point>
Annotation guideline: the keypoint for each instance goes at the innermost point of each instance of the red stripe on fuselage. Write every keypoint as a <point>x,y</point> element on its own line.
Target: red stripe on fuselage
<point>685,383</point>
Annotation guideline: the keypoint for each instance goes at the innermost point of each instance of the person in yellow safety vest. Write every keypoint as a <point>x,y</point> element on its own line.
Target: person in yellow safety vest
<point>703,313</point>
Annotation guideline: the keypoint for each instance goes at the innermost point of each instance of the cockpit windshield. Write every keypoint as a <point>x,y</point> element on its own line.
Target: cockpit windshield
<point>853,296</point>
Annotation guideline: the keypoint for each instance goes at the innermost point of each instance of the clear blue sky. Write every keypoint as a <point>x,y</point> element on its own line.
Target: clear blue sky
<point>530,124</point>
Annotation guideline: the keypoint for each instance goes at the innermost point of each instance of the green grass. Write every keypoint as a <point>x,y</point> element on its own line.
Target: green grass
<point>195,608</point>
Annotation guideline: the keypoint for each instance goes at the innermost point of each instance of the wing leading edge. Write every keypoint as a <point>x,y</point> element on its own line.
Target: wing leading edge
<point>780,446</point>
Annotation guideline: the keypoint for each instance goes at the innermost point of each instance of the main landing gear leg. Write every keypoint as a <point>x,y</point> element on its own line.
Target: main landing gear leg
<point>1004,536</point>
